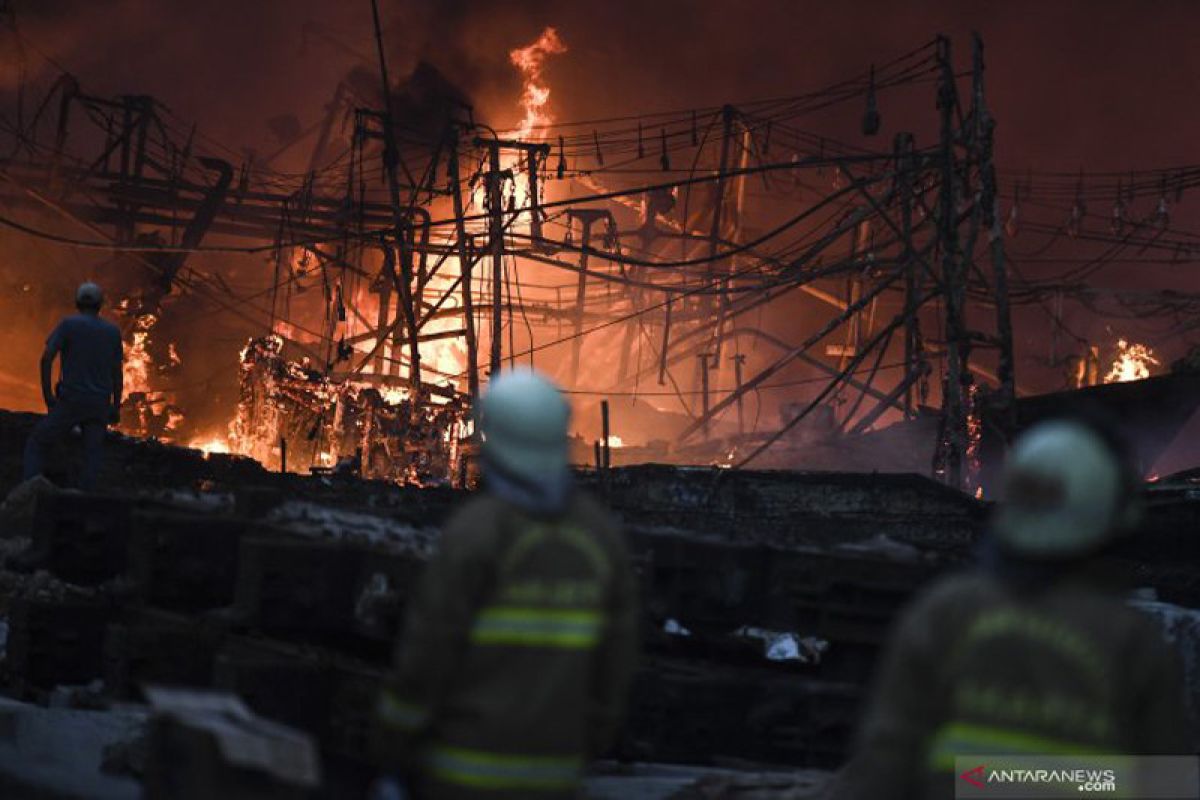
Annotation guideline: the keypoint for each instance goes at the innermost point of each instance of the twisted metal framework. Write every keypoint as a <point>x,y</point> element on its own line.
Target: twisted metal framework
<point>675,231</point>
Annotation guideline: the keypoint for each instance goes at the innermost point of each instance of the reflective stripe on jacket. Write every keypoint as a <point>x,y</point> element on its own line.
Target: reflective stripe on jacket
<point>517,653</point>
<point>978,667</point>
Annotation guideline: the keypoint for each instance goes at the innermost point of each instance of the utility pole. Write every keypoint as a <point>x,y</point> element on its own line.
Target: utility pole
<point>391,159</point>
<point>738,361</point>
<point>464,269</point>
<point>587,217</point>
<point>495,183</point>
<point>726,266</point>
<point>904,182</point>
<point>1005,372</point>
<point>728,115</point>
<point>703,359</point>
<point>954,403</point>
<point>383,287</point>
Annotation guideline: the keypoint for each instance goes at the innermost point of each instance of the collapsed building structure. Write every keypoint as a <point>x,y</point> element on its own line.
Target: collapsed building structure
<point>348,426</point>
<point>415,260</point>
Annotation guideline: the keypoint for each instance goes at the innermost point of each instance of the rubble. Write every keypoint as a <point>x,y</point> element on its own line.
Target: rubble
<point>784,646</point>
<point>309,519</point>
<point>292,414</point>
<point>16,513</point>
<point>58,753</point>
<point>766,597</point>
<point>1181,626</point>
<point>612,781</point>
<point>205,744</point>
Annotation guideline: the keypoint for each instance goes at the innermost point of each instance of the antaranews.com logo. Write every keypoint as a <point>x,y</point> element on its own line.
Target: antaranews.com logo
<point>1034,777</point>
<point>1085,780</point>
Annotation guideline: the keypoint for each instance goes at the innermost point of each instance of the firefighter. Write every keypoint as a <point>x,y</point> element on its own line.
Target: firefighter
<point>89,388</point>
<point>1033,653</point>
<point>519,644</point>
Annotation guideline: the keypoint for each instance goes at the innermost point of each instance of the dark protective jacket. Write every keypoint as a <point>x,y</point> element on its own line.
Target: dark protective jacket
<point>517,654</point>
<point>979,666</point>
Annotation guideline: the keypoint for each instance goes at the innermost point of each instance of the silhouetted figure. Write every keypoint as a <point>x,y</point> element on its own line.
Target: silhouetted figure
<point>520,643</point>
<point>1033,654</point>
<point>89,388</point>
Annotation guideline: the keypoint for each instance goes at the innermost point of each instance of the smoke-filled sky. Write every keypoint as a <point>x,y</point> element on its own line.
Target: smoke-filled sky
<point>1073,83</point>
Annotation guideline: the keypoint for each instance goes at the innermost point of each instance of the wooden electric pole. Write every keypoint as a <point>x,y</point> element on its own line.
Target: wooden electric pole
<point>954,407</point>
<point>587,217</point>
<point>465,267</point>
<point>496,226</point>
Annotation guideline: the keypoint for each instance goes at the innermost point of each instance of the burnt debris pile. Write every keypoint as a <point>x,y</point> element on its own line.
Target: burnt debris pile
<point>766,596</point>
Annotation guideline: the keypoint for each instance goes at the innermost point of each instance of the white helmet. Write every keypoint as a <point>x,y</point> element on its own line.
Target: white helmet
<point>1065,493</point>
<point>89,295</point>
<point>523,419</point>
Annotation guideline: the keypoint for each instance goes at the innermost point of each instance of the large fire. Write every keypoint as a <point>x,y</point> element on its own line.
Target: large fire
<point>1133,363</point>
<point>377,426</point>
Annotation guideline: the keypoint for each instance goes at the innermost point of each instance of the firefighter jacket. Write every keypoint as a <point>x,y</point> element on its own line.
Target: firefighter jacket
<point>977,667</point>
<point>517,654</point>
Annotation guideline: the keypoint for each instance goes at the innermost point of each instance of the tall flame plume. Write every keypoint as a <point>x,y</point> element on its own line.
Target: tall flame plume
<point>535,94</point>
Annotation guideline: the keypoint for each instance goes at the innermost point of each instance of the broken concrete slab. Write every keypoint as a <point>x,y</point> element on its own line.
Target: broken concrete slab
<point>57,753</point>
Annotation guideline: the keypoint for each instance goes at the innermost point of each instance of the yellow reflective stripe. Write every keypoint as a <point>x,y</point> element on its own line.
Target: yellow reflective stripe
<point>394,712</point>
<point>538,627</point>
<point>488,770</point>
<point>960,738</point>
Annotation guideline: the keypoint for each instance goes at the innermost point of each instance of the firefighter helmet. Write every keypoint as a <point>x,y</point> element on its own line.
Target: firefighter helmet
<point>523,420</point>
<point>1066,493</point>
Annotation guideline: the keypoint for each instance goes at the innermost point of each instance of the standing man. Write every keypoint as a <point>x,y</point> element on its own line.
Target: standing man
<point>520,642</point>
<point>89,388</point>
<point>1033,655</point>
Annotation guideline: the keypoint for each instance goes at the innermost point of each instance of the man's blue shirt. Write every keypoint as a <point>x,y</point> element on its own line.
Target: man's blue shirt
<point>91,351</point>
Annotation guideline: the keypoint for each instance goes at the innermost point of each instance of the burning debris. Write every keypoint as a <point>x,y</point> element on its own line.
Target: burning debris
<point>292,417</point>
<point>1133,363</point>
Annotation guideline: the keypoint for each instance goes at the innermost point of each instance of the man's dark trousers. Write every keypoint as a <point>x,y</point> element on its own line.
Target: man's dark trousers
<point>91,416</point>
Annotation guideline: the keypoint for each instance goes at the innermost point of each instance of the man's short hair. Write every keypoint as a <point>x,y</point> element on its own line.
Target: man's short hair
<point>89,295</point>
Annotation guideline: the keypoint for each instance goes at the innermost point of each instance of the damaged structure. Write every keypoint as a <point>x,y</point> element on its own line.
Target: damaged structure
<point>792,357</point>
<point>348,426</point>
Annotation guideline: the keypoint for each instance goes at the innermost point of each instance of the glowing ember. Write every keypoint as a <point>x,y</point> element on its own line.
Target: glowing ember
<point>1132,363</point>
<point>615,441</point>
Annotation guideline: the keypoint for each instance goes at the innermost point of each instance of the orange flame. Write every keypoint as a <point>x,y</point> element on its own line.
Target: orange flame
<point>535,96</point>
<point>1132,363</point>
<point>535,106</point>
<point>215,444</point>
<point>137,357</point>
